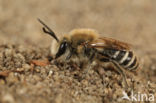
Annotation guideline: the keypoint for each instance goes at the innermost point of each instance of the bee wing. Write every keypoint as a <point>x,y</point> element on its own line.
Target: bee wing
<point>109,43</point>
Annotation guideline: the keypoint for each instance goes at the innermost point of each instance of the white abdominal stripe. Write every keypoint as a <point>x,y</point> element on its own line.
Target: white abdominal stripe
<point>127,59</point>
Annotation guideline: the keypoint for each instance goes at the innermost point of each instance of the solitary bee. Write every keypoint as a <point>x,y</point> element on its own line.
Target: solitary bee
<point>85,46</point>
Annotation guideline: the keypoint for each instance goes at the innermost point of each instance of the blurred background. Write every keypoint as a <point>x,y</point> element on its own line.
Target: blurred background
<point>133,21</point>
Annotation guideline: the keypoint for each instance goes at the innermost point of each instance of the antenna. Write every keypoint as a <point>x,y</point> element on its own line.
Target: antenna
<point>48,31</point>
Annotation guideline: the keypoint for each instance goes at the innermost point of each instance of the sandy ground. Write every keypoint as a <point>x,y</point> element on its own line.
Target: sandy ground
<point>22,41</point>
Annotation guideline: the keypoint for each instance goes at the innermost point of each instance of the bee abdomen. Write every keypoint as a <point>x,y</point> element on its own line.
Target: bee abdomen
<point>126,59</point>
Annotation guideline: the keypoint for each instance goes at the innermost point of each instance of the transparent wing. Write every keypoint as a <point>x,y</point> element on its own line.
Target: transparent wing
<point>109,43</point>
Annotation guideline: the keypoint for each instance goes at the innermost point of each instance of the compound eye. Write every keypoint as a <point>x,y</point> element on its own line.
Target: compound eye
<point>61,50</point>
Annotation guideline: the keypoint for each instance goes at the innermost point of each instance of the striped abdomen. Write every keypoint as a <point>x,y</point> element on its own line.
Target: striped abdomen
<point>126,59</point>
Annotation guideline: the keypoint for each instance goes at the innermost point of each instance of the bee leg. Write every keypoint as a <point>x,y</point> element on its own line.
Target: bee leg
<point>122,73</point>
<point>69,56</point>
<point>71,52</point>
<point>92,57</point>
<point>105,60</point>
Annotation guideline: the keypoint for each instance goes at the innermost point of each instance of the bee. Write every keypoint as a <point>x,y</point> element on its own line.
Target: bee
<point>86,46</point>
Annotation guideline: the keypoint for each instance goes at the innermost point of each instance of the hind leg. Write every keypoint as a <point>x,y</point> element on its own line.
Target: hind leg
<point>122,73</point>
